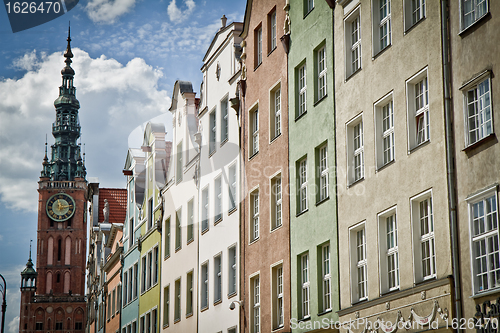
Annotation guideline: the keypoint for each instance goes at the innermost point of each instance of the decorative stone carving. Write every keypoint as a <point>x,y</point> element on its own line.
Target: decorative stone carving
<point>387,305</point>
<point>422,295</point>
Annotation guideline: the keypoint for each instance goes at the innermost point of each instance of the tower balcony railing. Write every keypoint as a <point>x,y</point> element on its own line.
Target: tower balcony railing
<point>63,184</point>
<point>57,299</point>
<point>65,128</point>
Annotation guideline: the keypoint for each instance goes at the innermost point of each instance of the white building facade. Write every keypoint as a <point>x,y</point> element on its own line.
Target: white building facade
<point>218,189</point>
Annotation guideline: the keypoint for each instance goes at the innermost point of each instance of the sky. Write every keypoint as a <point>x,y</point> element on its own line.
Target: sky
<point>127,56</point>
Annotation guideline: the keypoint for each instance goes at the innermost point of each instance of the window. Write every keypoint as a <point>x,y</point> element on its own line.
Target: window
<point>166,244</point>
<point>302,90</point>
<point>131,231</point>
<point>178,230</point>
<point>113,302</point>
<point>418,109</point>
<point>414,12</point>
<point>204,209</point>
<point>483,214</point>
<point>217,279</point>
<point>125,279</point>
<point>254,129</point>
<point>224,118</point>
<point>381,25</point>
<point>150,214</point>
<point>148,322</point>
<point>325,283</point>
<point>322,172</point>
<point>358,259</point>
<point>255,297</point>
<point>190,226</point>
<point>302,185</point>
<point>472,11</point>
<point>389,255</point>
<point>355,150</point>
<point>136,279</point>
<point>321,73</point>
<point>275,112</point>
<point>144,274</point>
<point>423,233</point>
<point>118,298</point>
<point>189,293</point>
<point>232,269</point>
<point>258,48</point>
<point>177,301</point>
<point>276,202</point>
<point>59,326</point>
<point>308,6</point>
<point>179,162</point>
<point>478,116</point>
<point>272,31</point>
<point>213,132</point>
<point>204,286</point>
<point>384,130</point>
<point>353,43</point>
<point>254,211</point>
<point>109,308</point>
<point>232,187</point>
<point>39,326</point>
<point>218,199</point>
<point>278,304</point>
<point>155,267</point>
<point>166,306</point>
<point>154,320</point>
<point>304,282</point>
<point>150,269</point>
<point>141,325</point>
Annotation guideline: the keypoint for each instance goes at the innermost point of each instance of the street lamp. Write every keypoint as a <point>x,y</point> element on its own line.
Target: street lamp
<point>4,303</point>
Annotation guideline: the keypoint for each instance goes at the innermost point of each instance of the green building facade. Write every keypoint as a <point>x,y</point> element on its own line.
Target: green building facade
<point>313,224</point>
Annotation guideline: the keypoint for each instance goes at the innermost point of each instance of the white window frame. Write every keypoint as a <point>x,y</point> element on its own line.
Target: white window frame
<point>254,215</point>
<point>178,229</point>
<point>166,306</point>
<point>485,235</point>
<point>418,109</point>
<point>212,132</point>
<point>205,209</point>
<point>482,106</point>
<point>232,271</point>
<point>277,295</point>
<point>381,26</point>
<point>273,31</point>
<point>421,213</point>
<point>276,201</point>
<point>302,202</point>
<point>302,90</point>
<point>177,300</point>
<point>305,283</point>
<point>189,292</point>
<point>414,12</point>
<point>190,222</point>
<point>322,172</point>
<point>167,229</point>
<point>326,277</point>
<point>321,72</point>
<point>224,120</point>
<point>179,165</point>
<point>308,6</point>
<point>218,278</point>
<point>258,49</point>
<point>352,24</point>
<point>474,11</point>
<point>359,263</point>
<point>355,150</point>
<point>255,296</point>
<point>254,130</point>
<point>204,285</point>
<point>384,130</point>
<point>275,112</point>
<point>218,199</point>
<point>232,187</point>
<point>388,252</point>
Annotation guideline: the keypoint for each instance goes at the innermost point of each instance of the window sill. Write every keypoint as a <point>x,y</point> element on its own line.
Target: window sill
<point>189,314</point>
<point>465,32</point>
<point>232,210</point>
<point>279,328</point>
<point>360,301</point>
<point>166,257</point>
<point>386,165</point>
<point>177,320</point>
<point>304,319</point>
<point>425,143</point>
<point>301,115</point>
<point>217,221</point>
<point>302,212</point>
<point>388,292</point>
<point>352,74</point>
<point>257,66</point>
<point>488,292</point>
<point>272,51</point>
<point>178,249</point>
<point>189,241</point>
<point>217,302</point>
<point>204,309</point>
<point>205,231</point>
<point>253,155</point>
<point>276,228</point>
<point>275,138</point>
<point>210,154</point>
<point>253,241</point>
<point>478,143</point>
<point>414,25</point>
<point>308,13</point>
<point>324,312</point>
<point>231,295</point>
<point>356,182</point>
<point>425,280</point>
<point>322,200</point>
<point>223,142</point>
<point>165,326</point>
<point>320,100</point>
<point>380,52</point>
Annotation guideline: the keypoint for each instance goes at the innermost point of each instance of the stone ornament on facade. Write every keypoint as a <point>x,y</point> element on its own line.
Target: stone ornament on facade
<point>382,326</point>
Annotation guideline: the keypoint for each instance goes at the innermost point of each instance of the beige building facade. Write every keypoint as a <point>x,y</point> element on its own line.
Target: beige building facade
<point>395,257</point>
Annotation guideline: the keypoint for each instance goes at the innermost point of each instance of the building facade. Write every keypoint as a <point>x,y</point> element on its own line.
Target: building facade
<point>313,221</point>
<point>179,253</point>
<point>219,239</point>
<point>393,204</point>
<point>265,221</point>
<point>58,300</point>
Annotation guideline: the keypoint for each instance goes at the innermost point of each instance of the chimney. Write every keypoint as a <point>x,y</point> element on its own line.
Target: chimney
<point>224,20</point>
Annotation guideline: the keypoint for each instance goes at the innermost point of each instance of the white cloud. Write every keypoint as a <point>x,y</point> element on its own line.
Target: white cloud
<point>114,99</point>
<point>14,325</point>
<point>177,15</point>
<point>107,11</point>
<point>27,62</point>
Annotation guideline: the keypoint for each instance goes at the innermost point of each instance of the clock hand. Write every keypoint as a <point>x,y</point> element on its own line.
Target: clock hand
<point>64,206</point>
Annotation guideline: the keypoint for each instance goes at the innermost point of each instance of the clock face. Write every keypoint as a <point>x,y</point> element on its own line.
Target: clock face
<point>60,207</point>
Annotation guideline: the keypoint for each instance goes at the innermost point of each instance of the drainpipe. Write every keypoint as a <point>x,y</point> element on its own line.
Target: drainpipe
<point>450,162</point>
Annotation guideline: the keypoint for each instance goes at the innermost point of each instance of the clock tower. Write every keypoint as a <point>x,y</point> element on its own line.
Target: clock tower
<point>53,296</point>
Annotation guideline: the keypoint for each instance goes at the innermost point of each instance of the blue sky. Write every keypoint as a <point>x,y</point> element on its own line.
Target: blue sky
<point>128,55</point>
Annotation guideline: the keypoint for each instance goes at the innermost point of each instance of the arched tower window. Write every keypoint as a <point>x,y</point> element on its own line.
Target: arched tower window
<point>67,284</point>
<point>59,249</point>
<point>50,252</point>
<point>67,252</point>
<point>48,286</point>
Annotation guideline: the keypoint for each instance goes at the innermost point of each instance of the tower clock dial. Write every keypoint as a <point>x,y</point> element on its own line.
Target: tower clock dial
<point>60,207</point>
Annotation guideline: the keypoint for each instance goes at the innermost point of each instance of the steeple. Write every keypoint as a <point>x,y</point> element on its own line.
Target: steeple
<point>28,275</point>
<point>64,163</point>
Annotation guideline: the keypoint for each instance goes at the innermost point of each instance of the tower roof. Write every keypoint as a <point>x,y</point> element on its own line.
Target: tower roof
<point>29,271</point>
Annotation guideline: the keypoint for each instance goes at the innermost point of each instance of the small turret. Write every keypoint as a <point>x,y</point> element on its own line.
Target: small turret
<point>28,275</point>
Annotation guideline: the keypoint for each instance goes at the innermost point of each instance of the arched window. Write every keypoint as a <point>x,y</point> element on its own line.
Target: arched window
<point>59,249</point>
<point>50,253</point>
<point>48,283</point>
<point>67,284</point>
<point>67,252</point>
